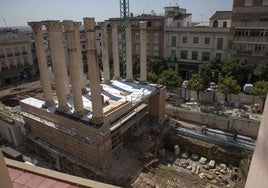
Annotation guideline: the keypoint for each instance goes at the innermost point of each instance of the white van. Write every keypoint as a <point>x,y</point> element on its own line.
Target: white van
<point>248,88</point>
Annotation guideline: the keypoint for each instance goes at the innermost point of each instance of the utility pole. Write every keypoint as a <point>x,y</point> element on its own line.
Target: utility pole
<point>124,14</point>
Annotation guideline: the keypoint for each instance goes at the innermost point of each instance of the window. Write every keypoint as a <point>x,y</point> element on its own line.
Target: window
<point>184,39</point>
<point>264,2</point>
<point>218,56</point>
<point>156,38</point>
<point>264,18</point>
<point>156,50</point>
<point>224,24</point>
<point>173,41</point>
<point>219,43</point>
<point>184,54</point>
<point>147,38</point>
<point>248,3</point>
<point>173,55</point>
<point>207,40</point>
<point>137,51</point>
<point>137,37</point>
<point>194,55</point>
<point>205,56</point>
<point>245,18</point>
<point>195,40</point>
<point>259,48</point>
<point>215,23</point>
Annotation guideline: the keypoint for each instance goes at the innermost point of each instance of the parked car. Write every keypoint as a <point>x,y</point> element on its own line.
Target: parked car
<point>248,88</point>
<point>212,87</point>
<point>184,84</point>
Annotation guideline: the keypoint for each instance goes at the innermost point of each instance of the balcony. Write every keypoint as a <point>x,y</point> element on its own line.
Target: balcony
<point>244,52</point>
<point>9,55</point>
<point>2,56</point>
<point>17,53</point>
<point>24,53</point>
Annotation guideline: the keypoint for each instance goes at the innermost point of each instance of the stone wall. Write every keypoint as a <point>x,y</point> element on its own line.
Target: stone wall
<point>244,127</point>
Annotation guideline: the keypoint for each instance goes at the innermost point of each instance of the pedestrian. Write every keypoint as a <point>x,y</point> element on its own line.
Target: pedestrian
<point>204,129</point>
<point>235,135</point>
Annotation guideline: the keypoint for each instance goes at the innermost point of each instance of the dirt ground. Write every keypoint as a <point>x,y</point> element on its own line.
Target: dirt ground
<point>126,170</point>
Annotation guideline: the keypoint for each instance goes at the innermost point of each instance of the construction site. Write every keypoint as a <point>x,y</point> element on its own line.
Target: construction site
<point>119,130</point>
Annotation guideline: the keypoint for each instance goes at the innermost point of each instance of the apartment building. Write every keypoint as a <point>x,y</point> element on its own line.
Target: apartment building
<point>16,58</point>
<point>249,30</point>
<point>187,44</point>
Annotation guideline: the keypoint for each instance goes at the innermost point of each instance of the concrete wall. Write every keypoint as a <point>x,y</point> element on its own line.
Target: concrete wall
<point>242,126</point>
<point>219,97</point>
<point>11,133</point>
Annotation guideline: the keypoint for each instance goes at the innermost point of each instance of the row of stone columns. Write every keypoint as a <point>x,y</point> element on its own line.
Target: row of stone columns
<point>54,29</point>
<point>105,56</point>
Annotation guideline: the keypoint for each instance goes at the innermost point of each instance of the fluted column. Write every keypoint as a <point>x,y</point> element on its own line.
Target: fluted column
<point>128,26</point>
<point>79,54</point>
<point>143,52</point>
<point>58,62</point>
<point>115,51</point>
<point>104,52</point>
<point>74,67</point>
<point>93,70</point>
<point>42,62</point>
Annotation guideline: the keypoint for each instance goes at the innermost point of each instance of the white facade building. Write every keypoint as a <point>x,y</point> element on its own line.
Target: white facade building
<point>187,46</point>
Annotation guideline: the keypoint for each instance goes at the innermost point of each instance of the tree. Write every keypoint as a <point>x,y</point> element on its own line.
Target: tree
<point>261,90</point>
<point>227,86</point>
<point>261,71</point>
<point>152,77</point>
<point>156,66</point>
<point>169,78</point>
<point>196,83</point>
<point>210,71</point>
<point>238,68</point>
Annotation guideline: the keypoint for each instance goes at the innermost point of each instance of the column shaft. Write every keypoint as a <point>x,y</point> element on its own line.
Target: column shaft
<point>74,67</point>
<point>105,54</point>
<point>143,52</point>
<point>79,54</point>
<point>58,62</point>
<point>129,51</point>
<point>93,70</point>
<point>42,62</point>
<point>115,51</point>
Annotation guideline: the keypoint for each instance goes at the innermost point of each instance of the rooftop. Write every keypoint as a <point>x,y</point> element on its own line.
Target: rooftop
<point>115,93</point>
<point>222,15</point>
<point>25,175</point>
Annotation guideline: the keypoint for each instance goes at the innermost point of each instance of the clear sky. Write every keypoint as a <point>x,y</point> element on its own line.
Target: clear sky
<point>19,12</point>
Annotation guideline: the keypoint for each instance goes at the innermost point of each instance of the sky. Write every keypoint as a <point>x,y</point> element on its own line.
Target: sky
<point>19,12</point>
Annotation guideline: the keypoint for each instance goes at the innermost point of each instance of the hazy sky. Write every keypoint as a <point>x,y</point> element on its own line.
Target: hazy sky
<point>19,12</point>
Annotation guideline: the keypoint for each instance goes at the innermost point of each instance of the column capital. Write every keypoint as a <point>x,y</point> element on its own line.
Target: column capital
<point>128,24</point>
<point>103,26</point>
<point>143,24</point>
<point>114,25</point>
<point>77,26</point>
<point>89,24</point>
<point>36,27</point>
<point>53,25</point>
<point>68,25</point>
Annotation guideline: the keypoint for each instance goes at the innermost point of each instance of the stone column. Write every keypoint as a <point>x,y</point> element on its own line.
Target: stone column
<point>79,54</point>
<point>115,51</point>
<point>104,52</point>
<point>143,52</point>
<point>128,26</point>
<point>74,67</point>
<point>58,62</point>
<point>93,70</point>
<point>42,62</point>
